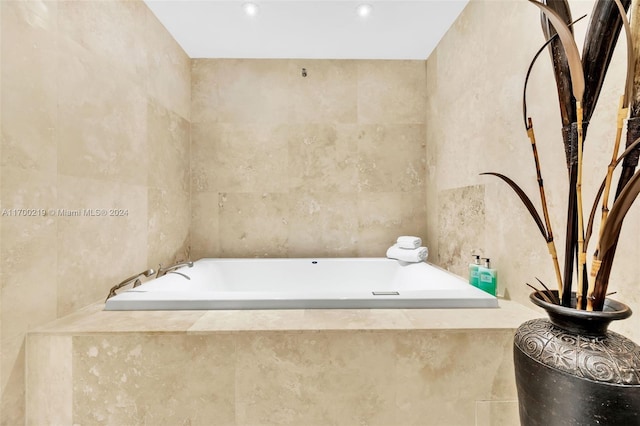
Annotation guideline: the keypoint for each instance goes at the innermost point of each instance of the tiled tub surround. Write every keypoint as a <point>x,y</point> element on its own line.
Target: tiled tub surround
<point>298,367</point>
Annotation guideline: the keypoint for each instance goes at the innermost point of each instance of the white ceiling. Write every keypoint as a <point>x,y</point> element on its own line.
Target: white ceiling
<point>307,29</point>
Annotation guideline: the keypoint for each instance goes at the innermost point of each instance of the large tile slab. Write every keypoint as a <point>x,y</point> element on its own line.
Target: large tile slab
<point>29,95</point>
<point>49,380</point>
<point>253,224</point>
<point>117,245</point>
<point>391,92</point>
<point>315,379</point>
<point>461,218</point>
<point>116,379</point>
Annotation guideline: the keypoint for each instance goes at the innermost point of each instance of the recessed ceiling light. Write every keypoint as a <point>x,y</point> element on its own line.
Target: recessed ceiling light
<point>250,9</point>
<point>364,10</point>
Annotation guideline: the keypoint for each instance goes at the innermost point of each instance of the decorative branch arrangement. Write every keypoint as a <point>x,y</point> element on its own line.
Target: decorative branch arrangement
<point>579,81</point>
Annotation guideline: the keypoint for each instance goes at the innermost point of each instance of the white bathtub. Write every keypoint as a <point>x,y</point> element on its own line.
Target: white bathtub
<point>302,284</point>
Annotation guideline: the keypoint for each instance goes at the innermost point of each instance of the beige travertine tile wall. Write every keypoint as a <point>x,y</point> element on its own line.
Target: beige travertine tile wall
<point>95,112</point>
<point>328,165</point>
<point>474,124</point>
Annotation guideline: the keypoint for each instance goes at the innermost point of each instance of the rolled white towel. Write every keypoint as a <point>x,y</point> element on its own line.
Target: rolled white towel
<point>408,255</point>
<point>409,242</point>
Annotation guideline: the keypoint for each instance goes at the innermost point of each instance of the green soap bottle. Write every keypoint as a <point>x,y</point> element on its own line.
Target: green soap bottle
<point>487,277</point>
<point>473,270</point>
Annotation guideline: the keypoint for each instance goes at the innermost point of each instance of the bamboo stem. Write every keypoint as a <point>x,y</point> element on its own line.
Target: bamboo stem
<point>630,161</point>
<point>554,258</point>
<point>545,210</point>
<point>622,115</point>
<point>571,239</point>
<point>582,259</point>
<point>595,266</point>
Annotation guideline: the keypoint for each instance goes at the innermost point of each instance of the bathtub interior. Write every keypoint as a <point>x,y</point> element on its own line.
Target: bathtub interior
<point>313,275</point>
<point>303,283</point>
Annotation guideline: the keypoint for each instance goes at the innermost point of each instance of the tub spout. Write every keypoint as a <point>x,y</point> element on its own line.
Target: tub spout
<point>181,274</point>
<point>163,271</point>
<point>134,278</point>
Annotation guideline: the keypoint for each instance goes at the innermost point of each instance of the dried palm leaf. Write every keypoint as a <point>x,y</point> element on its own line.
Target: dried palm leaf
<point>569,134</point>
<point>553,296</point>
<point>594,208</point>
<point>618,212</point>
<point>622,112</point>
<point>531,134</point>
<point>542,294</point>
<point>603,258</point>
<point>633,125</point>
<point>560,64</point>
<point>525,200</point>
<point>570,48</point>
<point>533,61</point>
<point>599,44</point>
<point>577,86</point>
<point>631,161</point>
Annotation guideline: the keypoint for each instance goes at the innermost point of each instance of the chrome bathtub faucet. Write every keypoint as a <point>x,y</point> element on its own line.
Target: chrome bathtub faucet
<point>134,278</point>
<point>163,271</point>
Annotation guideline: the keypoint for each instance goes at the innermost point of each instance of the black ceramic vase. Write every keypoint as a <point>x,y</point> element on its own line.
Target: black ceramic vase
<point>571,371</point>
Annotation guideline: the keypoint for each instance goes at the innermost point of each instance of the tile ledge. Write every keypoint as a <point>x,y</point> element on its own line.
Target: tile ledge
<point>93,319</point>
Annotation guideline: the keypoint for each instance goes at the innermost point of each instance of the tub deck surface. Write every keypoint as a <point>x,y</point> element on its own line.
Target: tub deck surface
<point>94,319</point>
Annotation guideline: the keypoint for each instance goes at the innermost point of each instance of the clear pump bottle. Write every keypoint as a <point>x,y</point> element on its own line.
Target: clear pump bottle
<point>488,277</point>
<point>473,270</point>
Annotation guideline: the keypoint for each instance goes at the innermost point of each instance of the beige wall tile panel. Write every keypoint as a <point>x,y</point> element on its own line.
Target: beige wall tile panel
<point>168,149</point>
<point>322,159</point>
<point>29,263</point>
<point>315,379</point>
<point>111,30</point>
<point>253,225</point>
<point>204,230</point>
<point>102,119</point>
<point>391,157</point>
<point>391,92</point>
<point>461,216</point>
<point>28,78</point>
<point>383,216</point>
<point>323,224</point>
<point>441,380</point>
<point>97,248</point>
<point>168,229</point>
<point>117,379</point>
<point>13,380</point>
<point>239,158</point>
<point>49,380</point>
<point>168,77</point>
<point>274,91</point>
